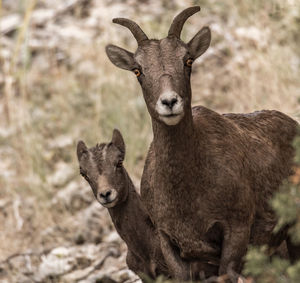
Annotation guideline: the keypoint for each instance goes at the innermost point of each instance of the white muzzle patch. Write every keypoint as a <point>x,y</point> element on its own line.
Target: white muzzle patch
<point>169,107</point>
<point>102,196</point>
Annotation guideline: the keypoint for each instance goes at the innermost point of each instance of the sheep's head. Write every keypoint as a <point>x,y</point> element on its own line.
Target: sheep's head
<point>102,168</point>
<point>163,67</point>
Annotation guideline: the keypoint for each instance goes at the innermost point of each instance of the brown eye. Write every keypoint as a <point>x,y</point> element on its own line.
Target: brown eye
<point>137,72</point>
<point>84,175</point>
<point>119,164</point>
<point>189,62</point>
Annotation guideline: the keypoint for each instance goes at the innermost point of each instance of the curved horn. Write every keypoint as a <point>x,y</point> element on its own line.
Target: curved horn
<point>137,32</point>
<point>180,19</point>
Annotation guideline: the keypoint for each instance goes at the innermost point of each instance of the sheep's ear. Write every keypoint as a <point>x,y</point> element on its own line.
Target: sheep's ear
<point>81,149</point>
<point>118,141</point>
<point>200,42</point>
<point>120,57</point>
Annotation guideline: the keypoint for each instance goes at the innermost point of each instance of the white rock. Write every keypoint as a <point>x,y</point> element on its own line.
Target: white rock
<point>259,37</point>
<point>112,237</point>
<point>61,141</point>
<point>41,16</point>
<point>55,263</point>
<point>9,23</point>
<point>60,252</point>
<point>63,172</point>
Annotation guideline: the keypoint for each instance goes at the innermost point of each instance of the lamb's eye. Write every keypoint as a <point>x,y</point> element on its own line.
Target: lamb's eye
<point>119,164</point>
<point>137,72</point>
<point>189,62</point>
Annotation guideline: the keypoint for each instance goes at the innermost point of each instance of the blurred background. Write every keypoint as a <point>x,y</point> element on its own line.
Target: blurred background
<point>57,86</point>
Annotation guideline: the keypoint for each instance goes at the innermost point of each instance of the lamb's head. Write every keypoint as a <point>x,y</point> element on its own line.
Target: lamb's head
<point>163,67</point>
<point>102,168</point>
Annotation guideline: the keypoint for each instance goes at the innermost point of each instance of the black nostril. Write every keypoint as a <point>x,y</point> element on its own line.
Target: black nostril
<point>165,102</point>
<point>173,102</point>
<point>169,103</point>
<point>105,194</point>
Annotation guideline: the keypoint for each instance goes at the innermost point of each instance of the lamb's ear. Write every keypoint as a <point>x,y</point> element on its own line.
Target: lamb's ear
<point>200,42</point>
<point>118,141</point>
<point>81,149</point>
<point>120,57</point>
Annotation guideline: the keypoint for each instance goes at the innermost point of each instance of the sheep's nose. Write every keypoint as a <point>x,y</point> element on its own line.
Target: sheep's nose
<point>105,194</point>
<point>169,102</point>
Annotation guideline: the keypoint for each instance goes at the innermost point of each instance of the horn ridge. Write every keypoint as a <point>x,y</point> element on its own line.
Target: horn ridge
<point>180,19</point>
<point>135,29</point>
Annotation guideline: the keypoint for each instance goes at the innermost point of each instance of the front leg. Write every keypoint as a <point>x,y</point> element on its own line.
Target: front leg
<point>293,250</point>
<point>234,247</point>
<point>138,266</point>
<point>178,268</point>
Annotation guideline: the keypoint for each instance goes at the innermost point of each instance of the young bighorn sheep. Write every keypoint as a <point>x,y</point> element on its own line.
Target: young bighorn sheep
<point>102,167</point>
<point>207,176</point>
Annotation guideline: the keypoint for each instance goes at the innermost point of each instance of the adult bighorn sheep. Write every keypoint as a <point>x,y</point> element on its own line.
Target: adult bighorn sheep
<point>207,176</point>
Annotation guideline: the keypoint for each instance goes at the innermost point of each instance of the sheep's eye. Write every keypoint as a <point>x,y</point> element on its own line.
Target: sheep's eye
<point>137,72</point>
<point>84,175</point>
<point>189,62</point>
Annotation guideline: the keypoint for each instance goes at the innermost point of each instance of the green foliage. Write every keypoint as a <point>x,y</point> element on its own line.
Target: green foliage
<point>286,204</point>
<point>262,269</point>
<point>277,270</point>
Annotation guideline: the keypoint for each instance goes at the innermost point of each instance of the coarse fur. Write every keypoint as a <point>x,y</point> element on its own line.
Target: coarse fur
<point>127,211</point>
<point>102,167</point>
<point>207,177</point>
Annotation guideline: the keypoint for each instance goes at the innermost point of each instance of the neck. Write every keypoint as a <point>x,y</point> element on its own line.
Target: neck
<point>174,149</point>
<point>171,139</point>
<point>125,205</point>
<point>129,215</point>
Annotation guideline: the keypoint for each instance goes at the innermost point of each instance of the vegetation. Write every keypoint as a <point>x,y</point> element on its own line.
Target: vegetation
<point>57,86</point>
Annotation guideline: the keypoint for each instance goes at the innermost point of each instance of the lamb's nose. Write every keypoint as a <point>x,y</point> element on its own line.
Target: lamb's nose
<point>169,102</point>
<point>105,194</point>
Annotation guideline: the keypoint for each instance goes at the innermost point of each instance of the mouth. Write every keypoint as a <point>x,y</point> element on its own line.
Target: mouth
<point>108,203</point>
<point>170,115</point>
<point>171,119</point>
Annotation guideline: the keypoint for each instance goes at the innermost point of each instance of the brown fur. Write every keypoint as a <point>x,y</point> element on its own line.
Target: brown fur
<point>209,177</point>
<point>128,213</point>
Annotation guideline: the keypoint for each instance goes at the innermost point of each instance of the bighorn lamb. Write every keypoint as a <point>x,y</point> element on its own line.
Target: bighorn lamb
<point>102,167</point>
<point>207,176</point>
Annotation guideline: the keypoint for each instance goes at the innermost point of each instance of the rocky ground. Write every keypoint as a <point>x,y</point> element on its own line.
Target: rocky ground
<point>57,86</point>
<point>82,248</point>
<point>79,244</point>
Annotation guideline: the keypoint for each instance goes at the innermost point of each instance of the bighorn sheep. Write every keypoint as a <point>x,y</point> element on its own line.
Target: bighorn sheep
<point>207,176</point>
<point>102,167</point>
